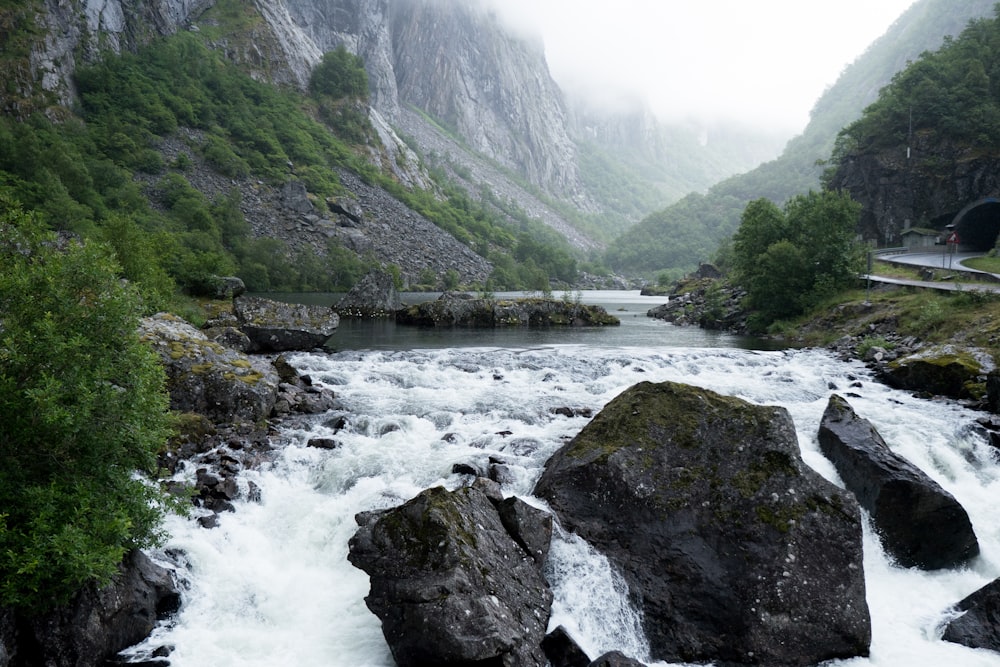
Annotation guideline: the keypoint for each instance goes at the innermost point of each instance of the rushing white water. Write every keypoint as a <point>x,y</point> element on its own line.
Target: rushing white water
<point>272,586</point>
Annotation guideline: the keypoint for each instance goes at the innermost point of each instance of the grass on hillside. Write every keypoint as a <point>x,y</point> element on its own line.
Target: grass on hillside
<point>969,317</point>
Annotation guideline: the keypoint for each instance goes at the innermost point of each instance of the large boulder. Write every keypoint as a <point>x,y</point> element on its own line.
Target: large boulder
<point>375,295</point>
<point>207,378</point>
<point>451,584</point>
<point>274,326</point>
<point>737,552</point>
<point>978,626</point>
<point>944,370</point>
<point>920,524</point>
<point>461,310</point>
<point>99,622</point>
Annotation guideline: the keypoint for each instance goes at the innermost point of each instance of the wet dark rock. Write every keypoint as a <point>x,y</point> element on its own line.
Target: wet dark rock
<point>465,469</point>
<point>615,659</point>
<point>97,623</point>
<point>273,326</point>
<point>563,651</point>
<point>530,527</point>
<point>979,624</point>
<point>993,391</point>
<point>375,295</point>
<point>573,412</point>
<point>501,473</point>
<point>737,550</point>
<point>450,584</point>
<point>454,310</point>
<point>323,443</point>
<point>943,370</point>
<point>919,523</point>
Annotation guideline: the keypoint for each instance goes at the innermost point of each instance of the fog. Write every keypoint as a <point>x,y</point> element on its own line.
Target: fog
<point>761,63</point>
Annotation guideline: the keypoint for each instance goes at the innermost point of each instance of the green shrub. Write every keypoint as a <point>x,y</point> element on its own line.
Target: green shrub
<point>82,407</point>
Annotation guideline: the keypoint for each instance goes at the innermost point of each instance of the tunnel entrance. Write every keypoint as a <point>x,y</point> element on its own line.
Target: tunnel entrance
<point>978,225</point>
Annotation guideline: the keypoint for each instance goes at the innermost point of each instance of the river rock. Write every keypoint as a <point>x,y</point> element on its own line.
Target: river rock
<point>207,378</point>
<point>737,552</point>
<point>450,584</point>
<point>98,623</point>
<point>919,523</point>
<point>615,659</point>
<point>945,370</point>
<point>375,295</point>
<point>453,310</point>
<point>273,326</point>
<point>979,624</point>
<point>562,650</point>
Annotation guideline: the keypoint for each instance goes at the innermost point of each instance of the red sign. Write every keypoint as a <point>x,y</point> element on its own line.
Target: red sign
<point>953,238</point>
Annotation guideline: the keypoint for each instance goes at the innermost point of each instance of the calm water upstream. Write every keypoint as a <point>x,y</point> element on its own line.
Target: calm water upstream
<point>272,586</point>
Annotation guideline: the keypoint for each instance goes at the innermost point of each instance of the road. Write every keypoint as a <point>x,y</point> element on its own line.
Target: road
<point>937,260</point>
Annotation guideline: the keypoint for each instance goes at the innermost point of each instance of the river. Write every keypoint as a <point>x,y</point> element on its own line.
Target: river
<point>271,586</point>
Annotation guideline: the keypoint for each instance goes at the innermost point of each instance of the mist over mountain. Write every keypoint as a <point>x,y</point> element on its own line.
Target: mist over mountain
<point>673,239</point>
<point>460,97</point>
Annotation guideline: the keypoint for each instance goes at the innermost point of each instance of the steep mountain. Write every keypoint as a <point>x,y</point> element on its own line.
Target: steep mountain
<point>633,163</point>
<point>691,230</point>
<point>927,153</point>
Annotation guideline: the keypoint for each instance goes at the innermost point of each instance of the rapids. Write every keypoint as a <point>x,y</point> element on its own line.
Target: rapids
<point>271,586</point>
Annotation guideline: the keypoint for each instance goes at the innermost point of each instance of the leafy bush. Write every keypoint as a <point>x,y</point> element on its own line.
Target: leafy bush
<point>82,407</point>
<point>789,259</point>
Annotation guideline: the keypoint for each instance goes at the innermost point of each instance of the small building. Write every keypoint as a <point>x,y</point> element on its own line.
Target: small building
<point>920,237</point>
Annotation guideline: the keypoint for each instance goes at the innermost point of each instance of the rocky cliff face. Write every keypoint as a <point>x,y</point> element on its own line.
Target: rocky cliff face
<point>457,63</point>
<point>84,27</point>
<point>929,189</point>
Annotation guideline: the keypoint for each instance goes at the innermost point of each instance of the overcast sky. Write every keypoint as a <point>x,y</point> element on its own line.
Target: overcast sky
<point>764,62</point>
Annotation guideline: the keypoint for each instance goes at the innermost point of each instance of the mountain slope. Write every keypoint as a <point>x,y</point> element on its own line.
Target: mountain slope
<point>675,238</point>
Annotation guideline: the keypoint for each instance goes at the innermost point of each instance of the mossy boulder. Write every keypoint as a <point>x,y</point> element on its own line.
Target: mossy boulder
<point>460,310</point>
<point>454,580</point>
<point>944,370</point>
<point>736,550</point>
<point>207,378</point>
<point>919,523</point>
<point>274,326</point>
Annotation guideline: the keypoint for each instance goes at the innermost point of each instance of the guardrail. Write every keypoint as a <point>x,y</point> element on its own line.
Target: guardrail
<point>891,251</point>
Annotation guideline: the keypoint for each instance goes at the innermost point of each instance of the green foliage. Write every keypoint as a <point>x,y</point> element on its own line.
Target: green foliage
<point>677,237</point>
<point>82,406</point>
<point>949,94</point>
<point>338,75</point>
<point>790,259</point>
<point>79,176</point>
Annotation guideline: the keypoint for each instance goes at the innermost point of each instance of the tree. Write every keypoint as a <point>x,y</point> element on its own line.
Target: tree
<point>789,259</point>
<point>338,75</point>
<point>82,408</point>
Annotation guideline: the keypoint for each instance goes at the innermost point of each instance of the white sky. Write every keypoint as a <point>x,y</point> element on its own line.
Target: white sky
<point>760,62</point>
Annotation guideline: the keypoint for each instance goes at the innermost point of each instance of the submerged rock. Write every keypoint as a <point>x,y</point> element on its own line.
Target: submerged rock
<point>461,310</point>
<point>451,584</point>
<point>919,523</point>
<point>737,551</point>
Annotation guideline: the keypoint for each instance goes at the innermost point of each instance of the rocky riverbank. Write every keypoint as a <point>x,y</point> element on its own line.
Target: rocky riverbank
<point>767,552</point>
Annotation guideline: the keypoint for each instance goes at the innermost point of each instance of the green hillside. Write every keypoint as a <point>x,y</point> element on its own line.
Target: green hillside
<point>675,239</point>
